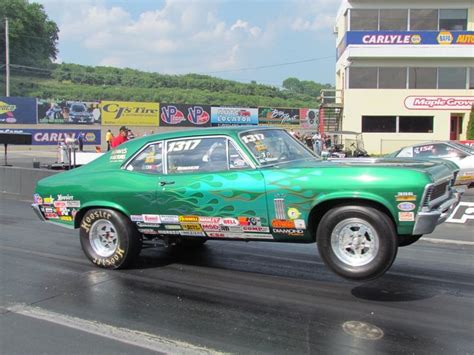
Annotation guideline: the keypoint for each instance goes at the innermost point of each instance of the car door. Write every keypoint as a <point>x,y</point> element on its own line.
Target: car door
<point>211,188</point>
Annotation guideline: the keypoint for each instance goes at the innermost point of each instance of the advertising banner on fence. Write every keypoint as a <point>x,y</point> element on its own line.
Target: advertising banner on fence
<point>68,112</point>
<point>122,113</point>
<point>183,115</point>
<point>309,118</point>
<point>231,116</point>
<point>18,110</point>
<point>279,116</point>
<point>54,136</point>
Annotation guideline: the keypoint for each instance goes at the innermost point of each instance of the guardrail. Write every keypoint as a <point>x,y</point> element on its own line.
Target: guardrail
<point>19,183</point>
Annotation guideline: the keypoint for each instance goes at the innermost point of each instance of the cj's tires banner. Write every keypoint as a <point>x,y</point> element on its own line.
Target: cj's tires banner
<point>121,113</point>
<point>68,112</point>
<point>54,136</point>
<point>18,110</point>
<point>182,115</point>
<point>230,116</point>
<point>278,116</point>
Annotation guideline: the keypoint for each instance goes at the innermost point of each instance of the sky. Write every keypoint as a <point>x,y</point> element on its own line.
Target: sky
<point>230,39</point>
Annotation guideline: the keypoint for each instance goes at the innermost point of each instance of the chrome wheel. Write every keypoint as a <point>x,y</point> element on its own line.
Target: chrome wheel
<point>103,238</point>
<point>355,242</point>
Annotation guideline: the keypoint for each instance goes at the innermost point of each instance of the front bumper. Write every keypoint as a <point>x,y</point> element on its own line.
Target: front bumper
<point>426,222</point>
<point>38,212</point>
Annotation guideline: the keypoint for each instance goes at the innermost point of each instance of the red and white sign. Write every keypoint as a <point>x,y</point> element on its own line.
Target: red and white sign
<point>469,143</point>
<point>439,102</point>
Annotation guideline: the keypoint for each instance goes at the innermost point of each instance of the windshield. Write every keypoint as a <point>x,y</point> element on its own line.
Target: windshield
<point>78,108</point>
<point>271,146</point>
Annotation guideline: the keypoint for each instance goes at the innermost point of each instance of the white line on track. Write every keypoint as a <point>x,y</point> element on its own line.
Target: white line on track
<point>446,241</point>
<point>128,336</point>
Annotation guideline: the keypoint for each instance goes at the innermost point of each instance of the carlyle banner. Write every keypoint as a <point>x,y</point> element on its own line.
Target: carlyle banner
<point>230,116</point>
<point>54,136</point>
<point>18,110</point>
<point>183,115</point>
<point>68,112</point>
<point>278,116</point>
<point>122,113</point>
<point>309,118</point>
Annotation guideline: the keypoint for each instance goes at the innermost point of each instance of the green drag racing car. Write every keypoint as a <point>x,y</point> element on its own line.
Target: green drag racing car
<point>248,184</point>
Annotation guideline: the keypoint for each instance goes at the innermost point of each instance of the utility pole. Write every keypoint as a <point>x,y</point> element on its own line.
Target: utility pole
<point>7,60</point>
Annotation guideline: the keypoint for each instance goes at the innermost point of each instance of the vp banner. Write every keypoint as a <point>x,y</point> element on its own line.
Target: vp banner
<point>230,116</point>
<point>183,115</point>
<point>54,136</point>
<point>68,112</point>
<point>279,116</point>
<point>18,110</point>
<point>121,113</point>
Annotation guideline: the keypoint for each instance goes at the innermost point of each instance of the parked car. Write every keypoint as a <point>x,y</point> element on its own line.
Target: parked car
<point>78,113</point>
<point>461,154</point>
<point>247,184</point>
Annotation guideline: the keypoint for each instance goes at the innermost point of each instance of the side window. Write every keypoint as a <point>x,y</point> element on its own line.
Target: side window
<point>236,160</point>
<point>406,153</point>
<point>149,160</point>
<point>197,155</point>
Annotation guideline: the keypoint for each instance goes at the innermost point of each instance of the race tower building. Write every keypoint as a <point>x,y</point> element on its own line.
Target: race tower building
<point>405,70</point>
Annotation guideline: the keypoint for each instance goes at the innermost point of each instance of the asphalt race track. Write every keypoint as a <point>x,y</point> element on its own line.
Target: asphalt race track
<point>229,297</point>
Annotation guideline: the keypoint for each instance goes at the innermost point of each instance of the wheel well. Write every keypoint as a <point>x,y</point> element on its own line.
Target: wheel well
<point>82,212</point>
<point>319,210</point>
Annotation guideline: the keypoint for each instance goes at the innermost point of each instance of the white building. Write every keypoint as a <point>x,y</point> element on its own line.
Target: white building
<point>405,70</point>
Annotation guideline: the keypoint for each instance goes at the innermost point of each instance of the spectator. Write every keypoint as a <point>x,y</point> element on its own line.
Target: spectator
<point>130,134</point>
<point>317,143</point>
<point>80,139</point>
<point>121,138</point>
<point>109,136</point>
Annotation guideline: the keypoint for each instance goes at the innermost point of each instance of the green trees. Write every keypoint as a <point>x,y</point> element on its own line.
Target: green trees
<point>470,126</point>
<point>33,36</point>
<point>304,87</point>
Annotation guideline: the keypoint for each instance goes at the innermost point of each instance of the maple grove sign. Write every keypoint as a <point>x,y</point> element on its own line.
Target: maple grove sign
<point>439,102</point>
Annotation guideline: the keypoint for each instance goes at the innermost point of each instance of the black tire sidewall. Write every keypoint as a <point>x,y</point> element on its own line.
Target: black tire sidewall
<point>129,244</point>
<point>385,229</point>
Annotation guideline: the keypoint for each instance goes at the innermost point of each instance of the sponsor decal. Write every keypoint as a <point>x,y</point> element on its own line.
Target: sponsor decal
<point>73,204</point>
<point>405,196</point>
<point>209,227</point>
<point>228,221</point>
<point>136,218</point>
<point>148,225</point>
<point>184,115</point>
<point>213,220</point>
<point>300,224</point>
<point>445,37</point>
<point>118,155</point>
<point>66,218</point>
<point>172,226</point>
<point>148,231</point>
<point>169,219</point>
<point>120,113</point>
<point>291,232</point>
<point>249,221</point>
<point>48,200</point>
<point>256,229</point>
<point>463,212</point>
<point>48,210</point>
<point>188,219</point>
<point>231,229</point>
<point>59,204</point>
<point>190,233</point>
<point>283,223</point>
<point>406,206</point>
<point>37,199</point>
<point>439,102</point>
<point>18,110</point>
<point>228,116</point>
<point>293,213</point>
<point>65,197</point>
<point>173,232</point>
<point>151,218</point>
<point>51,216</point>
<point>406,216</point>
<point>238,235</point>
<point>191,227</point>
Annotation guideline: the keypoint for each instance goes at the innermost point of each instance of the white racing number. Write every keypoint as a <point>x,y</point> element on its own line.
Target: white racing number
<point>180,146</point>
<point>253,138</point>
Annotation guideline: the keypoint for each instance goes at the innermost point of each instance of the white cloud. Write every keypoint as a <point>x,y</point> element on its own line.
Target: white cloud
<point>313,15</point>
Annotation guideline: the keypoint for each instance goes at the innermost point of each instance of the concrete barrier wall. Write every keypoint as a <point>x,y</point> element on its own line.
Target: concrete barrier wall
<point>19,183</point>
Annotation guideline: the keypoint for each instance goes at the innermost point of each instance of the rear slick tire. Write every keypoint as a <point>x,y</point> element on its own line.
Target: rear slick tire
<point>109,239</point>
<point>357,242</point>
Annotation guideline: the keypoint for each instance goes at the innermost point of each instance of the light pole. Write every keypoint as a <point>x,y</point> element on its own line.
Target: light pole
<point>7,60</point>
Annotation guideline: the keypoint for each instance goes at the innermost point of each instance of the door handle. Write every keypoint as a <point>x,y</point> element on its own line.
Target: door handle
<point>163,183</point>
